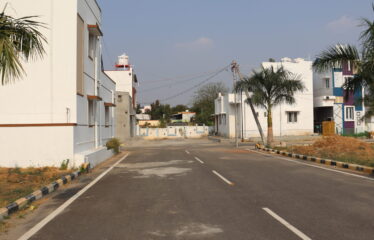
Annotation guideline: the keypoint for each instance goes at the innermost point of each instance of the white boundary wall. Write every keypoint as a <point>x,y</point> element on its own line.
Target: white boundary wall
<point>174,132</point>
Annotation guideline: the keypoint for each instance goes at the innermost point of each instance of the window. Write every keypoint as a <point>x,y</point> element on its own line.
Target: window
<point>92,46</point>
<point>80,53</point>
<point>349,113</point>
<point>327,82</point>
<point>91,113</point>
<point>292,117</point>
<point>107,116</point>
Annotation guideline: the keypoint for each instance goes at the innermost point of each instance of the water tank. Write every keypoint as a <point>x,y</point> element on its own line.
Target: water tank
<point>123,61</point>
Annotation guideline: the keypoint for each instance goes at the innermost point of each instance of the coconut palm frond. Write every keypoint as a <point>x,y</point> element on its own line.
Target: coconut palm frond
<point>335,56</point>
<point>20,38</point>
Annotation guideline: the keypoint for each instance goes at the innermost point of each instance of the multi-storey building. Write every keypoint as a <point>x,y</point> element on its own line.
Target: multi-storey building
<point>333,103</point>
<point>62,108</point>
<point>296,119</point>
<point>125,113</point>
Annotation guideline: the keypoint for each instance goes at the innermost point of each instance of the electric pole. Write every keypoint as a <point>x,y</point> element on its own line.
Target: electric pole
<point>234,66</point>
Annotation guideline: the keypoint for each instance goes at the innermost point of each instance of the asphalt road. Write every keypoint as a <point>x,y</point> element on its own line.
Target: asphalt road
<point>203,190</point>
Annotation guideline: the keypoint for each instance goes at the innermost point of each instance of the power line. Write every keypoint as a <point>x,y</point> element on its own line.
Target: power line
<point>195,86</point>
<point>183,81</point>
<point>195,75</point>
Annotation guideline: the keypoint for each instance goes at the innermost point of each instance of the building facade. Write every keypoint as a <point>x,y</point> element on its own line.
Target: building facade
<point>333,103</point>
<point>183,117</point>
<point>62,108</point>
<point>296,119</point>
<point>126,83</point>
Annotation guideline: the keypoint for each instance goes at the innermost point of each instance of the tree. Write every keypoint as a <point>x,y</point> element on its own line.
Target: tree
<point>362,63</point>
<point>270,88</point>
<point>160,111</point>
<point>20,40</point>
<point>138,109</point>
<point>179,108</point>
<point>203,101</point>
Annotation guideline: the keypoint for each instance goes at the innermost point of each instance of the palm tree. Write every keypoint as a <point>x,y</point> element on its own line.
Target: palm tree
<point>362,62</point>
<point>20,40</point>
<point>269,88</point>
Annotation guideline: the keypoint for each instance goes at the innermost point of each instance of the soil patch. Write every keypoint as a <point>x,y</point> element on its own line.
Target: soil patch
<point>345,149</point>
<point>19,182</point>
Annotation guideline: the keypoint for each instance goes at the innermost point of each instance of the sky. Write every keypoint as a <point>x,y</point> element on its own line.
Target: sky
<point>175,45</point>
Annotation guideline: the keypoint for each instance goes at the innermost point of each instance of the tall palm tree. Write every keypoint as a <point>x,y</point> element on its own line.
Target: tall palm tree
<point>20,40</point>
<point>362,62</point>
<point>271,87</point>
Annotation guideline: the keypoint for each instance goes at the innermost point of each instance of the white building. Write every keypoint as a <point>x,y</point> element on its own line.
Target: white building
<point>62,109</point>
<point>183,117</point>
<point>126,83</point>
<point>296,119</point>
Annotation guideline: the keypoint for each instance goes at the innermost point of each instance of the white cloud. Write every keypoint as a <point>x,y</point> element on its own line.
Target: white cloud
<point>202,42</point>
<point>342,24</point>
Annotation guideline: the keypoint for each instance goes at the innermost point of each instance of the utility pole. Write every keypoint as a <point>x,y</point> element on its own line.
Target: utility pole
<point>234,77</point>
<point>237,74</point>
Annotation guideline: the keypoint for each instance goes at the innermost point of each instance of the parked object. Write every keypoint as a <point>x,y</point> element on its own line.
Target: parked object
<point>328,128</point>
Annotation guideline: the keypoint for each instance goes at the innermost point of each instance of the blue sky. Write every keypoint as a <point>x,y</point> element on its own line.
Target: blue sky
<point>169,40</point>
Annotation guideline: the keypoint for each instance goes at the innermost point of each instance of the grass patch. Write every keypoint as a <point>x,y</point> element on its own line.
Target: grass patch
<point>358,135</point>
<point>19,182</point>
<point>340,148</point>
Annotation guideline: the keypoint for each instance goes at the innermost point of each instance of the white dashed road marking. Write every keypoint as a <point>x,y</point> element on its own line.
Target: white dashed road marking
<point>286,224</point>
<point>223,178</point>
<point>197,159</point>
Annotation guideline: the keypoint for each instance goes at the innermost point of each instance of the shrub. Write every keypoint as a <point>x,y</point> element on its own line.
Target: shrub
<point>64,164</point>
<point>113,144</point>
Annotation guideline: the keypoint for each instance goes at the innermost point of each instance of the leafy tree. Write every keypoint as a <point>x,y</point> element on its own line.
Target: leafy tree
<point>203,101</point>
<point>20,40</point>
<point>179,108</point>
<point>160,111</point>
<point>270,88</point>
<point>138,107</point>
<point>362,62</point>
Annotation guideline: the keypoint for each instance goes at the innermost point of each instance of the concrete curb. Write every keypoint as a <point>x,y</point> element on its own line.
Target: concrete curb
<point>22,202</point>
<point>351,166</point>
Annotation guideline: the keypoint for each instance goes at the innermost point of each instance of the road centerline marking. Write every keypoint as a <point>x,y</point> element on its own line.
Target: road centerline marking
<point>223,178</point>
<point>197,159</point>
<point>287,224</point>
<point>315,166</point>
<point>66,204</point>
<point>187,152</point>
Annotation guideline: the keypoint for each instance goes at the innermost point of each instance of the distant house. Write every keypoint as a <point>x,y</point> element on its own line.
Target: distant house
<point>146,108</point>
<point>296,119</point>
<point>333,103</point>
<point>63,108</point>
<point>182,117</point>
<point>126,83</point>
<point>143,116</point>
